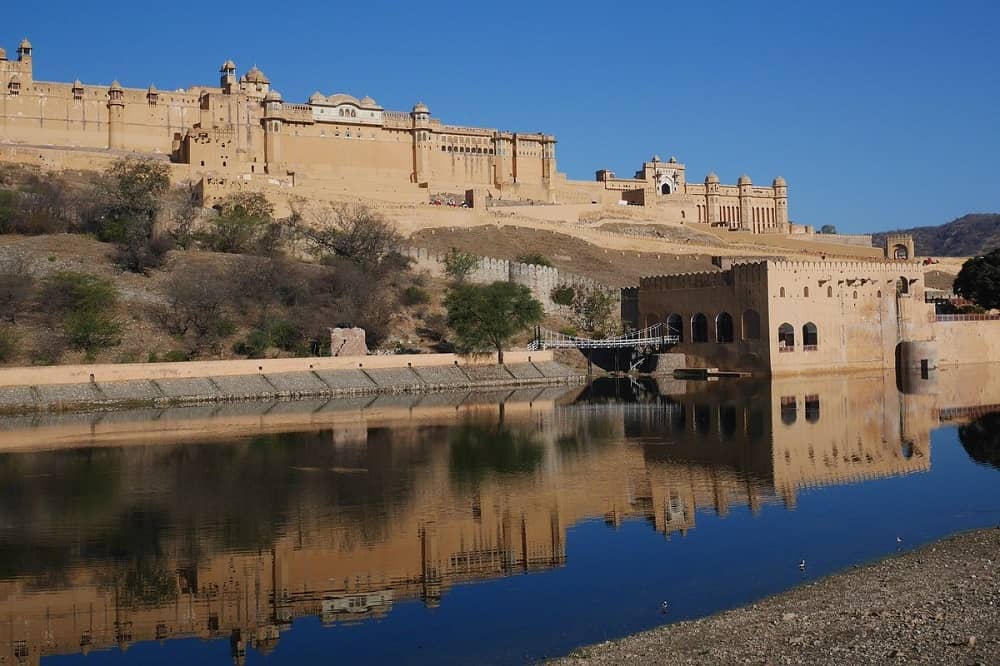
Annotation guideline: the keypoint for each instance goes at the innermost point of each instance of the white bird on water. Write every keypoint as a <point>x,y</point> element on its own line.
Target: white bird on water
<point>663,607</point>
<point>899,539</point>
<point>802,565</point>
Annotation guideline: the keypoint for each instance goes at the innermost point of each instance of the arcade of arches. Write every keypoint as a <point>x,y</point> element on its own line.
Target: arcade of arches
<point>724,327</point>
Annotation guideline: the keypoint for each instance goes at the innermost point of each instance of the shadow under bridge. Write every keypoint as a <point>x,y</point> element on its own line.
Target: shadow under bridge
<point>634,351</point>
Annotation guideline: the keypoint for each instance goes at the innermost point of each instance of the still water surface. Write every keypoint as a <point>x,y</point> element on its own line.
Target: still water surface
<point>463,528</point>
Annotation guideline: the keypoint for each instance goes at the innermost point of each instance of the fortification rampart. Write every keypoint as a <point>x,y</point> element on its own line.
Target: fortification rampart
<point>541,280</point>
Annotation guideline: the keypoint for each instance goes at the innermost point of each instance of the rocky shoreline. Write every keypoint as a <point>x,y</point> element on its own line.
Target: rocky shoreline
<point>939,604</point>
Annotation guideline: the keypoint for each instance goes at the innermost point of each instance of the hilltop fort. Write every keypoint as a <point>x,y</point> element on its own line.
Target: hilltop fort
<point>242,132</point>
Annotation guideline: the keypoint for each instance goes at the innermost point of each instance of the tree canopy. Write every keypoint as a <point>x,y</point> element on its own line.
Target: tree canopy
<point>979,280</point>
<point>489,316</point>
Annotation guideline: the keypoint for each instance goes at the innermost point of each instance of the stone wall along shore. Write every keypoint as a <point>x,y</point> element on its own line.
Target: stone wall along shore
<point>67,388</point>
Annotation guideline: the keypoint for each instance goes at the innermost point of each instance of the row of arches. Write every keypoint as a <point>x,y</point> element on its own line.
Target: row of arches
<point>724,327</point>
<point>786,336</point>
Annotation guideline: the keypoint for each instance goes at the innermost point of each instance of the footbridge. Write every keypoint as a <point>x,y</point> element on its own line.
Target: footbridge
<point>635,350</point>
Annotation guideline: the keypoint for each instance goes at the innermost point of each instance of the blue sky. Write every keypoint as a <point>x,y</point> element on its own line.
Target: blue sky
<point>879,114</point>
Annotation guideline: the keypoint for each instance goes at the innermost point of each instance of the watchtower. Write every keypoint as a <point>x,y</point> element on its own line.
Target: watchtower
<point>899,246</point>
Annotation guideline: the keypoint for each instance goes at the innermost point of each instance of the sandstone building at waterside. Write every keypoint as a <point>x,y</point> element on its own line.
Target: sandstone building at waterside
<point>241,132</point>
<point>786,317</point>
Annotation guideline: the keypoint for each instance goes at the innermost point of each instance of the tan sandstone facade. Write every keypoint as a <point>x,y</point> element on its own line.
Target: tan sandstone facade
<point>241,133</point>
<point>788,317</point>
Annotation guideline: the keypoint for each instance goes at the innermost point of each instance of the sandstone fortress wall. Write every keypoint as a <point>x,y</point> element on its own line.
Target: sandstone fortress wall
<point>541,280</point>
<point>241,131</point>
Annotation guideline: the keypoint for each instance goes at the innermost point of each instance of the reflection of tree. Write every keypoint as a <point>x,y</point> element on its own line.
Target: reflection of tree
<point>590,433</point>
<point>479,449</point>
<point>128,507</point>
<point>981,439</point>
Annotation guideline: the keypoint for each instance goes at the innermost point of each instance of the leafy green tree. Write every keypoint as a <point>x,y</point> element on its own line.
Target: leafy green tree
<point>979,280</point>
<point>594,312</point>
<point>563,295</point>
<point>126,201</point>
<point>245,224</point>
<point>83,306</point>
<point>459,265</point>
<point>489,316</point>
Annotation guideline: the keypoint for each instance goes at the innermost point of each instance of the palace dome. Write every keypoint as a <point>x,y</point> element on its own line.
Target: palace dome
<point>343,98</point>
<point>368,101</point>
<point>3,54</point>
<point>744,180</point>
<point>317,98</point>
<point>25,44</point>
<point>228,66</point>
<point>420,107</point>
<point>152,89</point>
<point>272,96</point>
<point>711,178</point>
<point>115,85</point>
<point>780,182</point>
<point>255,76</point>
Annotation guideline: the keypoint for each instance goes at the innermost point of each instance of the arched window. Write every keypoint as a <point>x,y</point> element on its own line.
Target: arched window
<point>665,189</point>
<point>829,291</point>
<point>805,292</point>
<point>724,328</point>
<point>900,252</point>
<point>699,328</point>
<point>675,326</point>
<point>902,285</point>
<point>751,325</point>
<point>855,294</point>
<point>781,292</point>
<point>810,336</point>
<point>786,337</point>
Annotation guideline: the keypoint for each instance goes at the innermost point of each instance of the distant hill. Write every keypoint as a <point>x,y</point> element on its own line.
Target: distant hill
<point>969,235</point>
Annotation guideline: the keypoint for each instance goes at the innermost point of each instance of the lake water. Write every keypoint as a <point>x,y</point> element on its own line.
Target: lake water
<point>466,528</point>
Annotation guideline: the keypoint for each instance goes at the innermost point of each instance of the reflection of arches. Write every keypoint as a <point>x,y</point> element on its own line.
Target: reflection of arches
<point>900,252</point>
<point>751,325</point>
<point>786,336</point>
<point>724,328</point>
<point>902,285</point>
<point>699,328</point>
<point>702,419</point>
<point>789,410</point>
<point>675,326</point>
<point>727,420</point>
<point>810,335</point>
<point>812,408</point>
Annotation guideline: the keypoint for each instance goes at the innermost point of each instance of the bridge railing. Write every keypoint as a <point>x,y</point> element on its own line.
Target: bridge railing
<point>655,335</point>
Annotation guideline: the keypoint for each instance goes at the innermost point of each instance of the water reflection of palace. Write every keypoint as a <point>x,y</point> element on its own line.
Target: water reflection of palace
<point>401,501</point>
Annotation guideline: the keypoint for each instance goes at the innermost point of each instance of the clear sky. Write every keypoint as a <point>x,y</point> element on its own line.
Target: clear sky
<point>880,114</point>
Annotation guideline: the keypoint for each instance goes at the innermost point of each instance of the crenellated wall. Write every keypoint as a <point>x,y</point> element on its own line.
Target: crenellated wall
<point>541,280</point>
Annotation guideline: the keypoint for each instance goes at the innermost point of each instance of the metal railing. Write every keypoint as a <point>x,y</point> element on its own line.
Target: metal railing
<point>966,317</point>
<point>654,335</point>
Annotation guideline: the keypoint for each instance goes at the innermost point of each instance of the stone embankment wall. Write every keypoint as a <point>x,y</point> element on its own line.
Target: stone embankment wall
<point>158,384</point>
<point>963,340</point>
<point>541,280</point>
